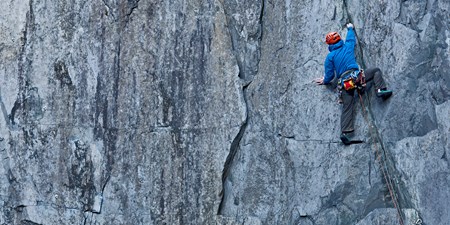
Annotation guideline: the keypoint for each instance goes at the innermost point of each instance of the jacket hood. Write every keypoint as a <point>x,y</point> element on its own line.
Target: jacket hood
<point>335,46</point>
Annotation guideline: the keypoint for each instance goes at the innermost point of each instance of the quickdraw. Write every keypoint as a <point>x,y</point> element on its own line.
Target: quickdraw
<point>361,80</point>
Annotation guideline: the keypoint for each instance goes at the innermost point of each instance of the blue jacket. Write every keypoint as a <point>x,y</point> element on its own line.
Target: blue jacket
<point>341,57</point>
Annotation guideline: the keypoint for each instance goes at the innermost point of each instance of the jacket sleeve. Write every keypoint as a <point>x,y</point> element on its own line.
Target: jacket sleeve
<point>350,40</point>
<point>329,70</point>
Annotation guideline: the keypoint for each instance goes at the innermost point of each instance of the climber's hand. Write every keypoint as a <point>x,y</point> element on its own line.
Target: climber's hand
<point>349,25</point>
<point>319,81</point>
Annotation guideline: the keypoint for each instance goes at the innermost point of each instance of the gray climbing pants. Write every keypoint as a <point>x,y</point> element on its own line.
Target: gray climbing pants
<point>348,99</point>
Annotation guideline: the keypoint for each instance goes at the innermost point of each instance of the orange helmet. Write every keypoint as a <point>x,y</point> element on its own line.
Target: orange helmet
<point>332,38</point>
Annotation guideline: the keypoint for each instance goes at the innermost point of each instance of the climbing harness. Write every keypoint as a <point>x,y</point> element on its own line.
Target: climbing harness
<point>384,169</point>
<point>352,79</point>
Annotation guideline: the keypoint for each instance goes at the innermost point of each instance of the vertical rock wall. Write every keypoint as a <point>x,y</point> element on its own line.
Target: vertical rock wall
<point>291,167</point>
<point>116,112</point>
<point>203,112</point>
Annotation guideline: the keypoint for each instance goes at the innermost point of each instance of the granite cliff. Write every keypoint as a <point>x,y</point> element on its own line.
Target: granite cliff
<point>204,112</point>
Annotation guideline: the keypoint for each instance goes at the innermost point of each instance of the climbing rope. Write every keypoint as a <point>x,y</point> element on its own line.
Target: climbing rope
<point>386,175</point>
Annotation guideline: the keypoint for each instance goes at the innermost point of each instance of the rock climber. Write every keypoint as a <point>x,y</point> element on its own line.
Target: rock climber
<point>342,62</point>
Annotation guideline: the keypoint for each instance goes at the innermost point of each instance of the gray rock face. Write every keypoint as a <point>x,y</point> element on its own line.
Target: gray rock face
<point>203,112</point>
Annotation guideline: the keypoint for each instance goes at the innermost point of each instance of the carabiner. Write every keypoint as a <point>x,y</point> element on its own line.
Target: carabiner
<point>418,222</point>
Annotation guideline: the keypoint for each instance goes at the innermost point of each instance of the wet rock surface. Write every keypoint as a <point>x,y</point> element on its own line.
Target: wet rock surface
<point>204,112</point>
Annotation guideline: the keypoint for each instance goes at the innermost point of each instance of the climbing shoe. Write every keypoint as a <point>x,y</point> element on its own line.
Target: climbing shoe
<point>383,93</point>
<point>345,139</point>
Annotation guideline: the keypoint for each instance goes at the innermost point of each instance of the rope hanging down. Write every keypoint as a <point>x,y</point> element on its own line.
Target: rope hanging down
<point>383,166</point>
